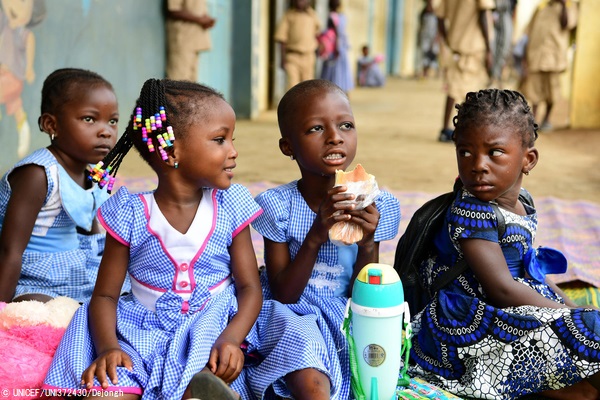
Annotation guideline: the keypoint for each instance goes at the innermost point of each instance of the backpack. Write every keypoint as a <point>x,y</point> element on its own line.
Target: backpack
<point>327,40</point>
<point>416,245</point>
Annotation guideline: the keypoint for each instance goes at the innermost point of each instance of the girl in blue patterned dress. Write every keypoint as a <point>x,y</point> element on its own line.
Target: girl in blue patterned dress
<point>50,241</point>
<point>304,269</point>
<point>501,330</point>
<point>195,292</point>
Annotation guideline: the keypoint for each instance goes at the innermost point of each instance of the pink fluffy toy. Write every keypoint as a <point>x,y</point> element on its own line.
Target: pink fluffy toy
<point>29,335</point>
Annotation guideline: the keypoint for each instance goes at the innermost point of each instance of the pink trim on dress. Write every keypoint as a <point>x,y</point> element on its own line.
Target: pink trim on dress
<point>245,224</point>
<point>112,233</point>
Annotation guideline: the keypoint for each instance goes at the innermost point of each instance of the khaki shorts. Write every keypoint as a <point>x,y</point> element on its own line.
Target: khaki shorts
<point>299,67</point>
<point>466,73</point>
<point>182,64</point>
<point>542,87</point>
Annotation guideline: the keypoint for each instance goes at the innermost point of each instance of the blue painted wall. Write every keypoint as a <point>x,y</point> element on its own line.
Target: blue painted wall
<point>121,40</point>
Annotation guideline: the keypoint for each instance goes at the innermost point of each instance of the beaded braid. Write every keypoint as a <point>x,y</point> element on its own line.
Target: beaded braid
<point>148,117</point>
<point>497,107</point>
<point>150,128</point>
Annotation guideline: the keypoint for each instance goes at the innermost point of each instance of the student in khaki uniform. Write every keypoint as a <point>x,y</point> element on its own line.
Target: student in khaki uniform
<point>464,27</point>
<point>546,54</point>
<point>296,34</point>
<point>188,25</point>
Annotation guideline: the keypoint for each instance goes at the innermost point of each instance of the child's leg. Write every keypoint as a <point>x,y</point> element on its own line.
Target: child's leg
<point>309,384</point>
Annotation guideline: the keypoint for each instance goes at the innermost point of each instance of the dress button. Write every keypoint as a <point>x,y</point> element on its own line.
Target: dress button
<point>183,284</point>
<point>183,267</point>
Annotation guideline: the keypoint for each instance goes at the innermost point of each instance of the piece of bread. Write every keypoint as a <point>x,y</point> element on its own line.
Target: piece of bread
<point>347,232</point>
<point>356,175</point>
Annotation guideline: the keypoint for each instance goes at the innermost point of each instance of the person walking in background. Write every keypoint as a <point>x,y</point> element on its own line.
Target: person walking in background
<point>296,34</point>
<point>464,27</point>
<point>428,44</point>
<point>337,67</point>
<point>503,17</point>
<point>546,54</point>
<point>188,25</point>
<point>369,74</point>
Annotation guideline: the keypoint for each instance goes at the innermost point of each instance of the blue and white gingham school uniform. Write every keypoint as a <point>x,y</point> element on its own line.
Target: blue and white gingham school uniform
<point>58,261</point>
<point>287,219</point>
<point>182,298</point>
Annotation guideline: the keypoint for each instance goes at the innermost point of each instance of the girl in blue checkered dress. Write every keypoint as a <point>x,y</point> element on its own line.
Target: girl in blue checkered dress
<point>50,239</point>
<point>501,330</point>
<point>304,269</point>
<point>188,326</point>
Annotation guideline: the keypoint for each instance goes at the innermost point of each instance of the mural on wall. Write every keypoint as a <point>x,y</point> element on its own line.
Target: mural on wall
<point>17,53</point>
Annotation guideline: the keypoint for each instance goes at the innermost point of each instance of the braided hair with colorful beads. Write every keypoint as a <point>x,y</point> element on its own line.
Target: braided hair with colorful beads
<point>497,107</point>
<point>162,113</point>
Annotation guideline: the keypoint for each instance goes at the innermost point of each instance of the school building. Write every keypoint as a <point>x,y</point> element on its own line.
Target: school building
<point>124,41</point>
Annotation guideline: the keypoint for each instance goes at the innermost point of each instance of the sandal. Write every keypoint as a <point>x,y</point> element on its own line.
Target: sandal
<point>207,386</point>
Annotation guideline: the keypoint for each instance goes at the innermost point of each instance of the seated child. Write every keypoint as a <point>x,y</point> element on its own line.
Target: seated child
<point>50,241</point>
<point>501,330</point>
<point>304,269</point>
<point>369,73</point>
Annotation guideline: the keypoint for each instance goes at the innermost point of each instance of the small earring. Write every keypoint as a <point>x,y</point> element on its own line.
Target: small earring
<point>52,137</point>
<point>526,172</point>
<point>175,165</point>
<point>292,157</point>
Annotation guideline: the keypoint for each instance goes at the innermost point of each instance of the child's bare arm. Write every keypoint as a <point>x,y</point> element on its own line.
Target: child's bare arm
<point>29,187</point>
<point>287,278</point>
<point>368,249</point>
<point>103,315</point>
<point>487,261</point>
<point>226,358</point>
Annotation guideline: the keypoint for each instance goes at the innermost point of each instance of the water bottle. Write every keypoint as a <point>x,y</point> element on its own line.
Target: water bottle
<point>377,306</point>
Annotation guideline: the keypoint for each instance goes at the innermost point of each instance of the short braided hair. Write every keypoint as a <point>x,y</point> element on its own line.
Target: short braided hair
<point>60,87</point>
<point>497,107</point>
<point>184,103</point>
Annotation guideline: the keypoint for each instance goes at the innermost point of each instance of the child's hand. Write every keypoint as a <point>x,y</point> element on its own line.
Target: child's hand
<point>367,219</point>
<point>226,359</point>
<point>332,211</point>
<point>106,362</point>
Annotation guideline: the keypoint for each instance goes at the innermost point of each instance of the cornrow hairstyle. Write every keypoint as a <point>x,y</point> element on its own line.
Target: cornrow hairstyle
<point>61,87</point>
<point>163,113</point>
<point>497,107</point>
<point>300,93</point>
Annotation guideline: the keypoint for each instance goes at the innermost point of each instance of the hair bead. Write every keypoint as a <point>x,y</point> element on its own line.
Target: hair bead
<point>151,128</point>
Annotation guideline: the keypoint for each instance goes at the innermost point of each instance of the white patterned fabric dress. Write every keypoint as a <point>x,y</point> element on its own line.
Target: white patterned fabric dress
<point>287,219</point>
<point>476,350</point>
<point>182,299</point>
<point>58,261</point>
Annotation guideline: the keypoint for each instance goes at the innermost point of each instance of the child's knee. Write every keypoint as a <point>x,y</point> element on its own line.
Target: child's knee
<point>308,383</point>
